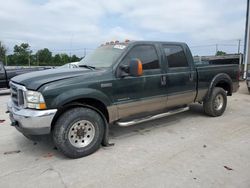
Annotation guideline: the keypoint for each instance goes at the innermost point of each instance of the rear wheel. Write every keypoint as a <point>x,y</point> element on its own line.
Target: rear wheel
<point>217,102</point>
<point>78,132</point>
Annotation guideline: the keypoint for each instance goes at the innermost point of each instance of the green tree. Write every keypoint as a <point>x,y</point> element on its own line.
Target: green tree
<point>33,60</point>
<point>57,60</point>
<point>22,54</point>
<point>3,51</point>
<point>220,53</point>
<point>11,60</point>
<point>65,58</point>
<point>44,57</point>
<point>74,58</point>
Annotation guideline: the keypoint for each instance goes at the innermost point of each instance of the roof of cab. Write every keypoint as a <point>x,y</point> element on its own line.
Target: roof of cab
<point>156,42</point>
<point>143,42</point>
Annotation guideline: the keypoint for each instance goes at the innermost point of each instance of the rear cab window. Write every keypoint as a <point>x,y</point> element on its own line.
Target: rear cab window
<point>175,56</point>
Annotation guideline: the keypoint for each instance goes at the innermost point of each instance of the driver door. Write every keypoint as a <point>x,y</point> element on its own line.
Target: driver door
<point>143,95</point>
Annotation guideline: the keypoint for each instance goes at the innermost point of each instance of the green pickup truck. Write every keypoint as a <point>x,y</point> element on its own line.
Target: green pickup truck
<point>122,83</point>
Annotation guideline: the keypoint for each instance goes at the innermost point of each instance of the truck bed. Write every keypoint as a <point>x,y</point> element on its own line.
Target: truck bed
<point>207,72</point>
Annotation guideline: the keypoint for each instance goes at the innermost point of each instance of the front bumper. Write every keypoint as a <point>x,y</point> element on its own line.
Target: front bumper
<point>29,121</point>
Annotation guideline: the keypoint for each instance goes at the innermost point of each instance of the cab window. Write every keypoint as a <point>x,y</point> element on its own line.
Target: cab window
<point>146,53</point>
<point>175,56</point>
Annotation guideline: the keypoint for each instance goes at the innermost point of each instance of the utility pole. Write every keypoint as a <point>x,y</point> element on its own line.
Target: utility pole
<point>247,41</point>
<point>84,52</point>
<point>216,46</point>
<point>29,60</point>
<point>71,38</point>
<point>37,58</point>
<point>239,46</point>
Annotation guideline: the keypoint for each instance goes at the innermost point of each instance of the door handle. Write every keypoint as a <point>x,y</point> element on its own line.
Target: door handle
<point>163,80</point>
<point>191,76</point>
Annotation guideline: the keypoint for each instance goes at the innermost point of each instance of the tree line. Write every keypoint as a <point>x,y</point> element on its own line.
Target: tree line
<point>23,56</point>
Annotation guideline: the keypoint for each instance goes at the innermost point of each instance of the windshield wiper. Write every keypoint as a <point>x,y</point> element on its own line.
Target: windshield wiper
<point>87,66</point>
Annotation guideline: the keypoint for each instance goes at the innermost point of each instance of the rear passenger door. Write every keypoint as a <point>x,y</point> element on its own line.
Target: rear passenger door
<point>180,76</point>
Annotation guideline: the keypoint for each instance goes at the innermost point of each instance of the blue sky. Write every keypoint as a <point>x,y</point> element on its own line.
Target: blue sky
<point>72,25</point>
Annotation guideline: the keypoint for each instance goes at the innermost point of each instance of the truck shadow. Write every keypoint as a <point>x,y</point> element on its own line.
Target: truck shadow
<point>40,150</point>
<point>45,149</point>
<point>142,128</point>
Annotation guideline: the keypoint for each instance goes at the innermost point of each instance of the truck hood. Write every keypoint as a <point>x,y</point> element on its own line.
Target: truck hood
<point>34,80</point>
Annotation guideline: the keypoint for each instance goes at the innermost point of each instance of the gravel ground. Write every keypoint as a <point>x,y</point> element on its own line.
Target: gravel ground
<point>184,150</point>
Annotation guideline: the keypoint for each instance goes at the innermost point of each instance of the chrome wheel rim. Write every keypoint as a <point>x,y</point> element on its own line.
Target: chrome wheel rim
<point>81,133</point>
<point>218,102</point>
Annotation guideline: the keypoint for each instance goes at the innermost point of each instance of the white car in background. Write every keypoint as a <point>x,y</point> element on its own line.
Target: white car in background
<point>70,65</point>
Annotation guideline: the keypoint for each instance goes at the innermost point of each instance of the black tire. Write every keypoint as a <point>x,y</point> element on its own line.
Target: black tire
<point>210,106</point>
<point>68,120</point>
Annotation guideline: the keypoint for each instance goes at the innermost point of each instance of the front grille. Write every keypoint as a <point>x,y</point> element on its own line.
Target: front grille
<point>17,95</point>
<point>14,90</point>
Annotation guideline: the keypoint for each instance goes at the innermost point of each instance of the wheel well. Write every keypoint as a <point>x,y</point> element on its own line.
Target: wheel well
<point>226,86</point>
<point>86,101</point>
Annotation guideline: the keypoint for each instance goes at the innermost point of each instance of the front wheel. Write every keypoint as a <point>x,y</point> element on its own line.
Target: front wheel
<point>78,132</point>
<point>217,102</point>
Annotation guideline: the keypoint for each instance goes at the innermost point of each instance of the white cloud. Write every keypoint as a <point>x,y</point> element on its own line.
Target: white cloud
<point>56,24</point>
<point>188,16</point>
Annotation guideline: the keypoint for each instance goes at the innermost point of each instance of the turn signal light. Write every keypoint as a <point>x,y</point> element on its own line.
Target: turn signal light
<point>42,106</point>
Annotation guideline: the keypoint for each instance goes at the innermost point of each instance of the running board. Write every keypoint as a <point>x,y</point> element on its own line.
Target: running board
<point>136,121</point>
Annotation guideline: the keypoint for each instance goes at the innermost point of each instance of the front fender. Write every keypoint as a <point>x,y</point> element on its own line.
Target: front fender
<point>80,93</point>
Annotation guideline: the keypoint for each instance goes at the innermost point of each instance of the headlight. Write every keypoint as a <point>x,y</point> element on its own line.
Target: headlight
<point>35,100</point>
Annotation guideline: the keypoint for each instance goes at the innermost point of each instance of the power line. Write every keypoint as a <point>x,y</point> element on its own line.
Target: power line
<point>211,45</point>
<point>200,46</point>
<point>68,50</point>
<point>231,44</point>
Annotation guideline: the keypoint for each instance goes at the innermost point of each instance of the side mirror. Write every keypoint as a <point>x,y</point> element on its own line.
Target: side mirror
<point>135,67</point>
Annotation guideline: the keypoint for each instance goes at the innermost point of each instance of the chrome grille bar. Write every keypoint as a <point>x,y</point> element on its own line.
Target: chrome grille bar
<point>17,94</point>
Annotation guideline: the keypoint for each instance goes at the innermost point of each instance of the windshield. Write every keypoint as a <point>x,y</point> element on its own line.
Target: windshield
<point>103,56</point>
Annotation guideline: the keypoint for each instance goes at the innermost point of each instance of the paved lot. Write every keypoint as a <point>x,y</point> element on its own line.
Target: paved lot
<point>184,150</point>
